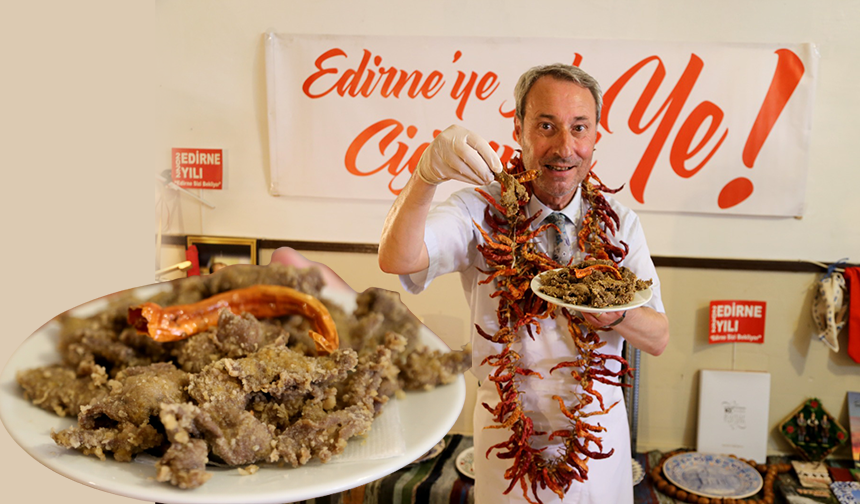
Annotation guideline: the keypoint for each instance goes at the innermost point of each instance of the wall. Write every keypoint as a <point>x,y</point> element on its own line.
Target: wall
<point>76,134</point>
<point>84,83</point>
<point>212,82</point>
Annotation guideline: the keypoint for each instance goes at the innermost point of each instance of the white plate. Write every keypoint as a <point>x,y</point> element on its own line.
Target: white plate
<point>425,417</point>
<point>639,299</point>
<point>712,475</point>
<point>466,462</point>
<point>638,473</point>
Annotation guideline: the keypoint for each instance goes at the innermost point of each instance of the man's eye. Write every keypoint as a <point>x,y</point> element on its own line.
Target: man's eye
<point>545,126</point>
<point>579,127</point>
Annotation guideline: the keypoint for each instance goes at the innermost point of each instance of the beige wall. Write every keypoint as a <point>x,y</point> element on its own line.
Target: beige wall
<point>800,366</point>
<point>211,90</point>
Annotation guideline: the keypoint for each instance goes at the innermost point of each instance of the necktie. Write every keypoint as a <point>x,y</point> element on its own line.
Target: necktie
<point>559,242</point>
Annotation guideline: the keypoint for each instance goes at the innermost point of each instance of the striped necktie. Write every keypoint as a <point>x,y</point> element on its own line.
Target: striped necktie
<point>559,241</point>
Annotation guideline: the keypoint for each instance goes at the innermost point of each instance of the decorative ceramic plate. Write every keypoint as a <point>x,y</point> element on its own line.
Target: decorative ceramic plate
<point>638,473</point>
<point>848,492</point>
<point>639,299</point>
<point>711,475</point>
<point>433,453</point>
<point>466,462</point>
<point>425,417</point>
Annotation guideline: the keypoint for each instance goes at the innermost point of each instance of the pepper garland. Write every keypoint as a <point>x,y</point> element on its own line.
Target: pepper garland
<point>513,259</point>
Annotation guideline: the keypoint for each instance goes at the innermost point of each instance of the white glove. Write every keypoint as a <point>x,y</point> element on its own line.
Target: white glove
<point>458,154</point>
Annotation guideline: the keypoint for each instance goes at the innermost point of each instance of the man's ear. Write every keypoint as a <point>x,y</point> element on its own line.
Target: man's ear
<point>518,129</point>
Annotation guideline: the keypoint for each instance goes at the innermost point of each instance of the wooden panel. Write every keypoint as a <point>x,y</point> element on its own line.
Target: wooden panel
<point>660,261</point>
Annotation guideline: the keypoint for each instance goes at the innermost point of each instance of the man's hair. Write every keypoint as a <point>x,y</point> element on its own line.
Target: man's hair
<point>558,71</point>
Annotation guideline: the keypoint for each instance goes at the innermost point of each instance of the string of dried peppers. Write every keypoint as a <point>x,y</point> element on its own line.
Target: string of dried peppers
<point>514,259</point>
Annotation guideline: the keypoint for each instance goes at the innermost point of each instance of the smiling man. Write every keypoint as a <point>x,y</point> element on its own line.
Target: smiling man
<point>556,128</point>
<point>557,112</point>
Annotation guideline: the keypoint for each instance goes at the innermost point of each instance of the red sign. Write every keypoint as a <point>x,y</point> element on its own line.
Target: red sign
<point>737,322</point>
<point>198,168</point>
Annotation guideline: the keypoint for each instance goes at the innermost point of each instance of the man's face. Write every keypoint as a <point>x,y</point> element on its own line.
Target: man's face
<point>557,136</point>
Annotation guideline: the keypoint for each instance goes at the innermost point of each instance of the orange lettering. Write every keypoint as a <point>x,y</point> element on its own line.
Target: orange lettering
<point>404,79</point>
<point>433,84</point>
<point>462,92</point>
<point>306,86</point>
<point>387,132</point>
<point>350,160</point>
<point>394,162</point>
<point>348,82</point>
<point>486,87</point>
<point>681,146</point>
<point>670,110</point>
<point>367,76</point>
<point>786,77</point>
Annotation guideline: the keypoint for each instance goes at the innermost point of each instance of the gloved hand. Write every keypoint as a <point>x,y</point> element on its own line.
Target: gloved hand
<point>458,154</point>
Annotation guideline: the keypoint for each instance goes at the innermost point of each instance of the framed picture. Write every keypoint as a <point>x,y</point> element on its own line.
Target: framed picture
<point>813,431</point>
<point>215,252</point>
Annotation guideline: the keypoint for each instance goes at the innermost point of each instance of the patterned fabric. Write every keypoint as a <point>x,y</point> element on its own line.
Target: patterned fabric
<point>828,308</point>
<point>435,481</point>
<point>561,250</point>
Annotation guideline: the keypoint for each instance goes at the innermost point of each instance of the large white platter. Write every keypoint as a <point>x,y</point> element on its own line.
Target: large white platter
<point>425,418</point>
<point>639,299</point>
<point>712,476</point>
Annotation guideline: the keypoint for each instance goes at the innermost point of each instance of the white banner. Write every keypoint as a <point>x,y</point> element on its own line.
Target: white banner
<point>706,128</point>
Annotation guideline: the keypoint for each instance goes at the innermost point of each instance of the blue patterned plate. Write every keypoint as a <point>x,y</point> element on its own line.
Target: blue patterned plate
<point>711,475</point>
<point>848,492</point>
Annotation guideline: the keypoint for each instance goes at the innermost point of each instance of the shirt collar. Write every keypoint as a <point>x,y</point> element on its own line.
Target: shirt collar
<point>573,210</point>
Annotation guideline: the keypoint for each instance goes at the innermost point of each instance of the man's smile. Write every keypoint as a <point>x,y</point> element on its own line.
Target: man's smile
<point>558,168</point>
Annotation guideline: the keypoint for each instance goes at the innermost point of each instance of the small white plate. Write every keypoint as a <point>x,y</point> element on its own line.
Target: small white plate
<point>638,473</point>
<point>466,462</point>
<point>433,453</point>
<point>639,299</point>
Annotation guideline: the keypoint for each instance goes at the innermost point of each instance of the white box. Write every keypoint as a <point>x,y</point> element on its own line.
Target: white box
<point>733,413</point>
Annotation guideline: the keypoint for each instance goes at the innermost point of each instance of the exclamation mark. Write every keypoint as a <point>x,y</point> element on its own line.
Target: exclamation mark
<point>789,70</point>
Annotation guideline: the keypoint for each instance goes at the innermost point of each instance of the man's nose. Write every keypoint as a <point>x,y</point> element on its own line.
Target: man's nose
<point>565,145</point>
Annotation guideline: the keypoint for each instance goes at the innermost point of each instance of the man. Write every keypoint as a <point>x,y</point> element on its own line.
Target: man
<point>557,112</point>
